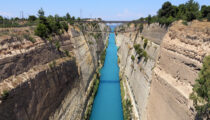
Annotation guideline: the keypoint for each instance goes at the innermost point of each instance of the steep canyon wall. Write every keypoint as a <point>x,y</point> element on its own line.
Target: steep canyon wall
<point>160,86</point>
<point>42,80</point>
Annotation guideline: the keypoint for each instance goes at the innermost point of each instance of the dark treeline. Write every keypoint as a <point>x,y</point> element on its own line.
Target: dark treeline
<point>33,20</point>
<point>17,22</point>
<point>188,11</point>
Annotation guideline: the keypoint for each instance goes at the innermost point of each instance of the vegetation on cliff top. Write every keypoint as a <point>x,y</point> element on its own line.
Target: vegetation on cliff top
<point>188,11</point>
<point>50,26</point>
<point>201,91</point>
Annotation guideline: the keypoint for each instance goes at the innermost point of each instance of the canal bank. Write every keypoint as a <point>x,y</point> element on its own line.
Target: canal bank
<point>107,104</point>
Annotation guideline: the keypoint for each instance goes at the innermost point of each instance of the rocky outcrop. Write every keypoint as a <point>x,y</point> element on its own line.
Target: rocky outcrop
<point>47,79</point>
<point>161,86</point>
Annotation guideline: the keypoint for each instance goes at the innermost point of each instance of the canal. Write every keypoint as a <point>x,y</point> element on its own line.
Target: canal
<point>107,104</point>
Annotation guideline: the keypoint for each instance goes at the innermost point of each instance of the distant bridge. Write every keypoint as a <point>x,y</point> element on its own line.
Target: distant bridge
<point>84,29</point>
<point>103,21</point>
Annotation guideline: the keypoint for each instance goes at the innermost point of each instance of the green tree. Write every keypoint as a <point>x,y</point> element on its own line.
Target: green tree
<point>167,10</point>
<point>149,19</point>
<point>208,17</point>
<point>52,25</point>
<point>41,31</point>
<point>78,18</point>
<point>205,10</point>
<point>65,26</point>
<point>141,19</point>
<point>68,17</point>
<point>73,18</point>
<point>141,28</point>
<point>192,10</point>
<point>201,90</point>
<point>32,18</point>
<point>41,12</point>
<point>16,19</point>
<point>1,20</point>
<point>181,12</point>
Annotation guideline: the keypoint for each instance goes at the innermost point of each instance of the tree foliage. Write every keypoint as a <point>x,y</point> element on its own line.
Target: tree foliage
<point>188,11</point>
<point>51,25</point>
<point>167,10</point>
<point>208,17</point>
<point>32,18</point>
<point>42,31</point>
<point>192,10</point>
<point>141,28</point>
<point>201,91</point>
<point>205,10</point>
<point>132,58</point>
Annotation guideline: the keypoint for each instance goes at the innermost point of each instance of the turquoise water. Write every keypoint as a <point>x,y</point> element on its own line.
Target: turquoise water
<point>107,104</point>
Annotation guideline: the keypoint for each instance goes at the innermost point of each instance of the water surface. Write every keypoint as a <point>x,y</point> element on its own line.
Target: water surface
<point>107,104</point>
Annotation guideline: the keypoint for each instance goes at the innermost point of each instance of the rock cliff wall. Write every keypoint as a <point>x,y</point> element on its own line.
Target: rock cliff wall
<point>44,80</point>
<point>138,73</point>
<point>179,61</point>
<point>160,86</point>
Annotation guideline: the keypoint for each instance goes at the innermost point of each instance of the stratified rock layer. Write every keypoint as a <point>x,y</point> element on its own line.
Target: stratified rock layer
<point>42,81</point>
<point>161,86</point>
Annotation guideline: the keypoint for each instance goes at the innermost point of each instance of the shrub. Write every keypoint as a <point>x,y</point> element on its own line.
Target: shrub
<point>41,31</point>
<point>142,37</point>
<point>65,26</point>
<point>90,42</point>
<point>136,46</point>
<point>138,49</point>
<point>184,23</point>
<point>5,95</point>
<point>145,43</point>
<point>67,53</point>
<point>132,58</point>
<point>30,38</point>
<point>149,19</point>
<point>32,18</point>
<point>57,45</point>
<point>144,54</point>
<point>200,94</point>
<point>141,28</point>
<point>103,56</point>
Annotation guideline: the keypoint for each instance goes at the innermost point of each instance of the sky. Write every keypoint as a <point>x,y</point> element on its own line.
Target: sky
<point>105,9</point>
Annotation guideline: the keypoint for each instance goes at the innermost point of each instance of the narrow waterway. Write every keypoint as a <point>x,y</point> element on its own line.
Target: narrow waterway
<point>107,104</point>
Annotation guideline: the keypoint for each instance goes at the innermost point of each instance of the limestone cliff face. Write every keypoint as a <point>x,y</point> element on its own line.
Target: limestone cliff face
<point>161,86</point>
<point>138,73</point>
<point>87,50</point>
<point>179,61</point>
<point>42,81</point>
